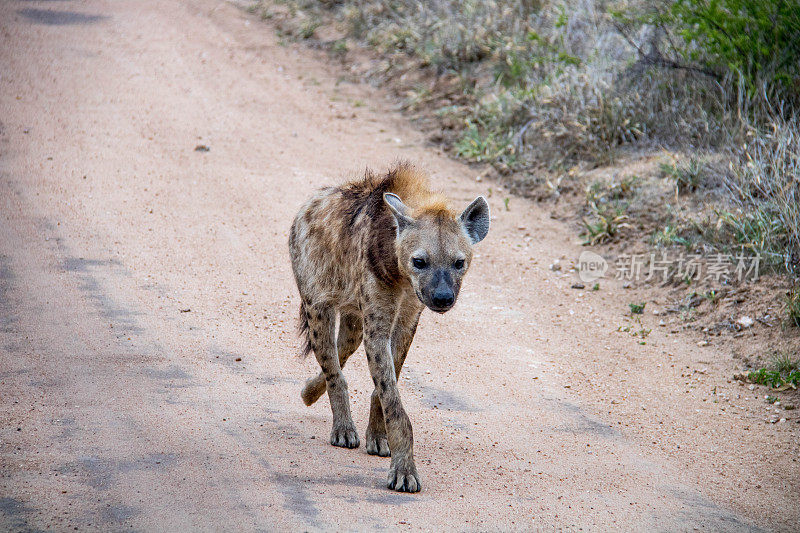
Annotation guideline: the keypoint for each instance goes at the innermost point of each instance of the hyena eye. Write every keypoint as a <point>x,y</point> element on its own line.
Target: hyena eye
<point>418,262</point>
<point>459,264</point>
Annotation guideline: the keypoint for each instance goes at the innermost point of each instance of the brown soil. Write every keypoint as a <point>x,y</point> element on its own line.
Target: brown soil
<point>148,368</point>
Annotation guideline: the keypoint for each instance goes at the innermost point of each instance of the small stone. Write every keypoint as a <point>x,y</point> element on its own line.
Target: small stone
<point>745,321</point>
<point>702,343</point>
<point>578,286</point>
<point>555,266</point>
<point>752,387</point>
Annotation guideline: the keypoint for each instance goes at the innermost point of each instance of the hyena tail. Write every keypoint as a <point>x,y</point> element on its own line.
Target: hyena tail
<point>304,331</point>
<point>315,387</point>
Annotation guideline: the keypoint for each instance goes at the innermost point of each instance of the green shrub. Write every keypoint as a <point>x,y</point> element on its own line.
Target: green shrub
<point>756,40</point>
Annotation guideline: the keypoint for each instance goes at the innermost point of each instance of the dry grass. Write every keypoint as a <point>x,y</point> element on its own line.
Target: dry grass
<point>550,84</point>
<point>541,88</point>
<point>764,178</point>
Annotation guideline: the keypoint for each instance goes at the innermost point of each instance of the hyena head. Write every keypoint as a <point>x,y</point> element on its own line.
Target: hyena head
<point>434,247</point>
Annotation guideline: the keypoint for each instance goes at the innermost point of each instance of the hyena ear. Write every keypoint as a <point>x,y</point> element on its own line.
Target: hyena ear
<point>400,211</point>
<point>475,219</point>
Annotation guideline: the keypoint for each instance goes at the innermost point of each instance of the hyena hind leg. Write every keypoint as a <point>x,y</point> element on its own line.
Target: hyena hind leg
<point>347,342</point>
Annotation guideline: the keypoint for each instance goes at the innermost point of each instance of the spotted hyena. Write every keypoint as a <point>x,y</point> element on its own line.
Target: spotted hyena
<point>377,251</point>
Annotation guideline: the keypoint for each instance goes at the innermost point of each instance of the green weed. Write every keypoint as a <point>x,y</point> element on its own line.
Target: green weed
<point>637,309</point>
<point>758,231</point>
<point>339,46</point>
<point>710,295</point>
<point>783,370</point>
<point>687,176</point>
<point>669,235</point>
<point>308,28</point>
<point>604,223</point>
<point>479,144</point>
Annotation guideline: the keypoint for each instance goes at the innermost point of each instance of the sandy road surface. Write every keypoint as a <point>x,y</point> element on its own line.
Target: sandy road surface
<point>148,368</point>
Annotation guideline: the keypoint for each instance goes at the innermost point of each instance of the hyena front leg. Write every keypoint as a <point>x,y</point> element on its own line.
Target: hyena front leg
<point>376,439</point>
<point>321,323</point>
<point>377,335</point>
<point>347,342</point>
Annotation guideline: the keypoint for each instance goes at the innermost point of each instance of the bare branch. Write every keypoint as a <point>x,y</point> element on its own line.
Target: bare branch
<point>654,57</point>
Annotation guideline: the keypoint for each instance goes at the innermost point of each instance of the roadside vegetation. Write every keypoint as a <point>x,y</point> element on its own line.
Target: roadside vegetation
<point>547,93</point>
<point>782,373</point>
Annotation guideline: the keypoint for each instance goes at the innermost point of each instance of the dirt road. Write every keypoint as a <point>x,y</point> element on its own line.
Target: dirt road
<point>149,375</point>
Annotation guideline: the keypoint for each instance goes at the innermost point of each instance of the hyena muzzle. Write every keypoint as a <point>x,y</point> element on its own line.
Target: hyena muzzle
<point>377,251</point>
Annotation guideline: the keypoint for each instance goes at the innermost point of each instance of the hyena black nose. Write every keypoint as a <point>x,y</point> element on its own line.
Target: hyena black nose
<point>443,298</point>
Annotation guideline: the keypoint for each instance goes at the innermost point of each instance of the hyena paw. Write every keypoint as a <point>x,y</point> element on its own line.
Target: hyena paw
<point>345,435</point>
<point>377,444</point>
<point>403,477</point>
